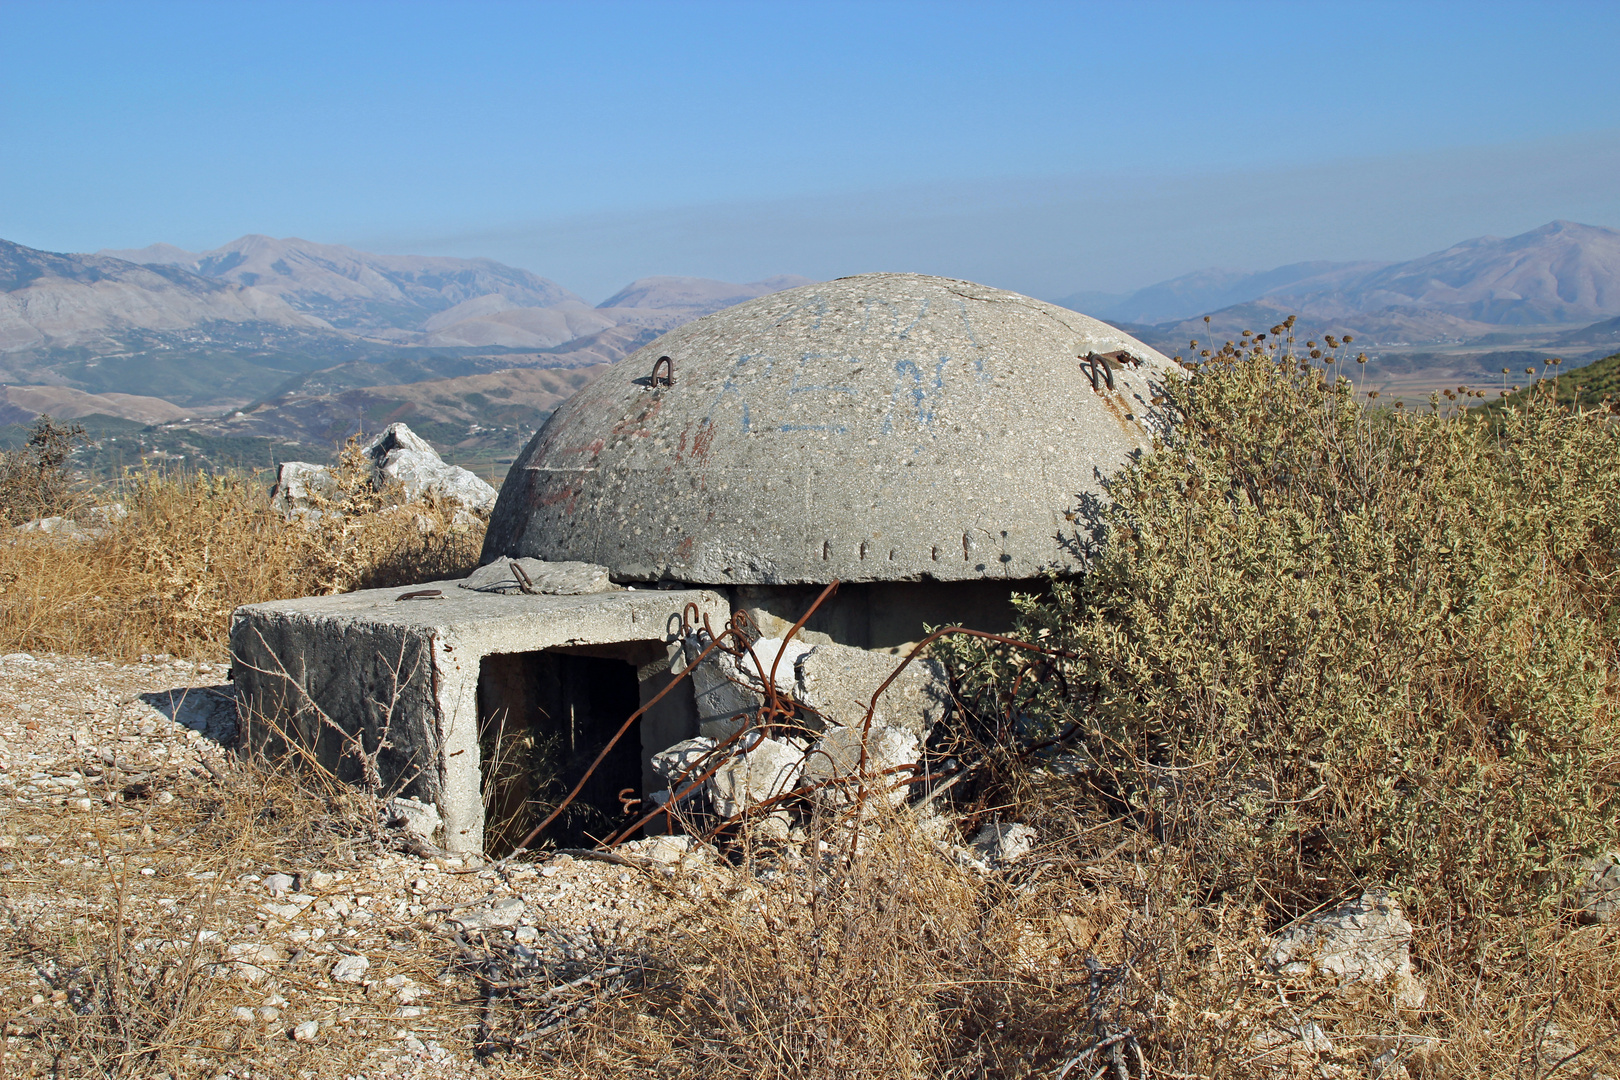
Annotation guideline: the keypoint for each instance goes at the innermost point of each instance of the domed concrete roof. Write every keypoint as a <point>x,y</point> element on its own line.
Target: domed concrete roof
<point>885,427</point>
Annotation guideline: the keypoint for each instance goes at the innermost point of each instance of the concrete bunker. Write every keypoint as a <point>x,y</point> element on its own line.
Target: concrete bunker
<point>929,443</point>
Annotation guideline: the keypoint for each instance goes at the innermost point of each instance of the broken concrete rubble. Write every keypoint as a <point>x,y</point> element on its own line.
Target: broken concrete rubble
<point>512,576</point>
<point>415,817</point>
<point>763,769</point>
<point>838,756</point>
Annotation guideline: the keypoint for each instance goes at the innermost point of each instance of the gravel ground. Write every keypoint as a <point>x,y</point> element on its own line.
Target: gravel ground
<point>170,911</point>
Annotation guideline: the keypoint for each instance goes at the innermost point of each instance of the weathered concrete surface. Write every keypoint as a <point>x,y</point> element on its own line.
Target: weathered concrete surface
<point>885,427</point>
<point>384,691</point>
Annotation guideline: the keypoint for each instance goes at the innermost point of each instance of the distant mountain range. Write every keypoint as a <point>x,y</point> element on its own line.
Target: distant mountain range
<point>1487,291</point>
<point>223,328</point>
<point>292,341</point>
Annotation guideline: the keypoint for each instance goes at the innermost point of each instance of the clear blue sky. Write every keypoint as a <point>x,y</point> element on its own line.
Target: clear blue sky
<point>1043,147</point>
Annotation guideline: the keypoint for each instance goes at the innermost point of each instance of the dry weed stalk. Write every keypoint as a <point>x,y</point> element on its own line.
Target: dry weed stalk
<point>165,578</point>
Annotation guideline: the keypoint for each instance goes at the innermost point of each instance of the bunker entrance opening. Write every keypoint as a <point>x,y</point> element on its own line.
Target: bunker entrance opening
<point>543,717</point>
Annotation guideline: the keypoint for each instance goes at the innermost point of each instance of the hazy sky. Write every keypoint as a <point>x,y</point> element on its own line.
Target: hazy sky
<point>1047,148</point>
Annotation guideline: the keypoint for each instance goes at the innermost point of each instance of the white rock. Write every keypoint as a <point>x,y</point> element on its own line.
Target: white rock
<point>402,456</point>
<point>675,849</point>
<point>306,1031</point>
<point>276,884</point>
<point>243,1014</point>
<point>398,456</point>
<point>1366,941</point>
<point>298,483</point>
<point>350,969</point>
<point>503,913</point>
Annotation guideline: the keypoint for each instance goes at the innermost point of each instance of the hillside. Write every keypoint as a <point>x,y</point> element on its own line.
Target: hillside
<point>487,416</point>
<point>23,404</point>
<point>1590,385</point>
<point>52,301</point>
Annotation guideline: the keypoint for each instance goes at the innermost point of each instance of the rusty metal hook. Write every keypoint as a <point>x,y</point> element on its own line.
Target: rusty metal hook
<point>666,364</point>
<point>1092,364</point>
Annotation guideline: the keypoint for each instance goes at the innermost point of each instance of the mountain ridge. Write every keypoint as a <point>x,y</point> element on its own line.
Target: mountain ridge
<point>1560,274</point>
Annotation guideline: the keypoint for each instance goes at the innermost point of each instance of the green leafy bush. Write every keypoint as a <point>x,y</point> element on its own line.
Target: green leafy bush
<point>1324,644</point>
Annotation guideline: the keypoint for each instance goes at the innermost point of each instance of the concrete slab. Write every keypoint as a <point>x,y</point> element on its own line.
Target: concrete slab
<point>384,691</point>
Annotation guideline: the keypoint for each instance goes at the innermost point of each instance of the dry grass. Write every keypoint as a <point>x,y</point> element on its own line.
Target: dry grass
<point>165,578</point>
<point>1087,960</point>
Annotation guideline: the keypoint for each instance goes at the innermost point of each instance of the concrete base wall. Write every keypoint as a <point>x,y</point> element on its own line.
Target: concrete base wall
<point>882,614</point>
<point>385,692</point>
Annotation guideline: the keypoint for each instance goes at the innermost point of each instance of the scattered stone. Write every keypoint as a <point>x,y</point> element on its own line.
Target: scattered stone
<point>1597,888</point>
<point>63,528</point>
<point>502,914</point>
<point>999,844</point>
<point>243,1014</point>
<point>549,578</point>
<point>350,969</point>
<point>1309,1038</point>
<point>675,849</point>
<point>277,884</point>
<point>307,1031</point>
<point>415,817</point>
<point>1367,941</point>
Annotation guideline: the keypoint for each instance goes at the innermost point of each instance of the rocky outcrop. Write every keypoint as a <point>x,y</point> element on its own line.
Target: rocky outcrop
<point>398,456</point>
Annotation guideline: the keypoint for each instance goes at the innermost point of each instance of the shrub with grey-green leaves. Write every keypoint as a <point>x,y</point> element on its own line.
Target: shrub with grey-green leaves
<point>1324,644</point>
